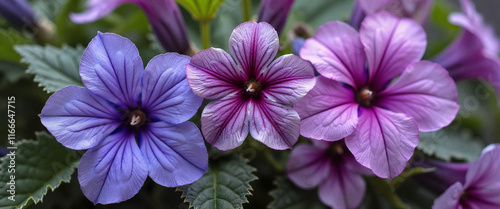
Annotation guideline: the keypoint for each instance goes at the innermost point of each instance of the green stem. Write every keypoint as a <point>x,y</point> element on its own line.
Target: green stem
<point>205,34</point>
<point>247,10</point>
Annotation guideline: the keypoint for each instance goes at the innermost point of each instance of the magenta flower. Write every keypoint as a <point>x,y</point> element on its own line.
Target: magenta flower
<point>252,92</point>
<point>379,119</point>
<point>164,16</point>
<point>415,9</point>
<point>332,168</point>
<point>481,187</point>
<point>275,12</point>
<point>133,121</point>
<point>474,54</point>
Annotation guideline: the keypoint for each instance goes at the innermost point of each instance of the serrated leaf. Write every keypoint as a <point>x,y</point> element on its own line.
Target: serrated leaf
<point>288,196</point>
<point>447,144</point>
<point>202,10</point>
<point>39,166</point>
<point>225,185</point>
<point>54,68</point>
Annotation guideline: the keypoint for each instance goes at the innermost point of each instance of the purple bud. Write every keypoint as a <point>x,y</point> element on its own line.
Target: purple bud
<point>297,44</point>
<point>275,12</point>
<point>164,16</point>
<point>18,13</point>
<point>444,175</point>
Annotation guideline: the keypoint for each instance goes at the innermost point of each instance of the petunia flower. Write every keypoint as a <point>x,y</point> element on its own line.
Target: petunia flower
<point>356,98</point>
<point>133,121</point>
<point>332,168</point>
<point>275,12</point>
<point>164,16</point>
<point>474,54</point>
<point>415,9</point>
<point>251,91</point>
<point>481,186</point>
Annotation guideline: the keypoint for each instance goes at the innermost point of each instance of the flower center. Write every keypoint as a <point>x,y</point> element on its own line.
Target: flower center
<point>252,87</point>
<point>365,97</point>
<point>336,151</point>
<point>137,118</point>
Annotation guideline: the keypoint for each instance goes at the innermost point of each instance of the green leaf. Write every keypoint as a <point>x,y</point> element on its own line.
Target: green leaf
<point>8,39</point>
<point>225,185</point>
<point>288,196</point>
<point>448,144</point>
<point>201,10</point>
<point>36,167</point>
<point>54,68</point>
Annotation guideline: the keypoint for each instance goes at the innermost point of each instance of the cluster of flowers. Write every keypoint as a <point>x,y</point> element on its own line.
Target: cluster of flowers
<point>364,111</point>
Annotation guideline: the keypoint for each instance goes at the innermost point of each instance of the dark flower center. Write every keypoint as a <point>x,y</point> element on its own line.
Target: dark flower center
<point>252,87</point>
<point>137,118</point>
<point>365,97</point>
<point>336,151</point>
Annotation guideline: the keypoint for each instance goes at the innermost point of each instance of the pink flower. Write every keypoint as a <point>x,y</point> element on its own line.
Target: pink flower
<point>332,168</point>
<point>474,54</point>
<point>481,186</point>
<point>378,117</point>
<point>251,92</point>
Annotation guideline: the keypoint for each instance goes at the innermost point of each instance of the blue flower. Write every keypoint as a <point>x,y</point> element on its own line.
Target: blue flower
<point>133,121</point>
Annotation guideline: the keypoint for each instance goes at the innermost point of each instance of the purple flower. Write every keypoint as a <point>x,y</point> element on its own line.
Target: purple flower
<point>332,168</point>
<point>133,121</point>
<point>18,13</point>
<point>444,175</point>
<point>415,9</point>
<point>252,92</point>
<point>474,54</point>
<point>379,119</point>
<point>164,16</point>
<point>275,12</point>
<point>481,187</point>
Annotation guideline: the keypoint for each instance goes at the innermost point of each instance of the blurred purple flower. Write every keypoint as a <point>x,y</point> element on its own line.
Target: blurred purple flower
<point>474,54</point>
<point>481,186</point>
<point>164,16</point>
<point>444,175</point>
<point>251,91</point>
<point>415,9</point>
<point>18,13</point>
<point>275,12</point>
<point>133,121</point>
<point>379,119</point>
<point>332,168</point>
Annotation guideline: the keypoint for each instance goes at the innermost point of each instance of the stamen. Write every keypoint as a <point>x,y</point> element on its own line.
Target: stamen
<point>252,87</point>
<point>365,97</point>
<point>136,119</point>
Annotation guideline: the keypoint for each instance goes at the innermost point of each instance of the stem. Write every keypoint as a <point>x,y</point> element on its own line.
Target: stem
<point>205,34</point>
<point>247,10</point>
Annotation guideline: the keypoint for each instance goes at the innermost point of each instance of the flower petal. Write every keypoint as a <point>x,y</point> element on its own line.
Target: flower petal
<point>288,79</point>
<point>176,154</point>
<point>111,68</point>
<point>342,189</point>
<point>307,167</point>
<point>328,111</point>
<point>337,53</point>
<point>79,119</point>
<point>253,46</point>
<point>212,74</point>
<point>383,141</point>
<point>390,45</point>
<point>166,94</point>
<point>97,9</point>
<point>114,170</point>
<point>224,123</point>
<point>275,125</point>
<point>482,179</point>
<point>450,198</point>
<point>424,92</point>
